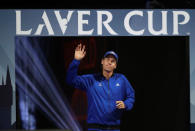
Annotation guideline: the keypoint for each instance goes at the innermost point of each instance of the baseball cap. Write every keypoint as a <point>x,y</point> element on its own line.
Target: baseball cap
<point>111,53</point>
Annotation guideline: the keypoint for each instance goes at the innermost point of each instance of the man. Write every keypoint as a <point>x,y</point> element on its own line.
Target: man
<point>109,93</point>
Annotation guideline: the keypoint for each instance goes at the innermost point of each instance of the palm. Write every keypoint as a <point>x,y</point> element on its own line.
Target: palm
<point>79,52</point>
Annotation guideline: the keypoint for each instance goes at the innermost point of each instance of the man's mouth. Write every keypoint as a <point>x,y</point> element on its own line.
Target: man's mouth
<point>107,65</point>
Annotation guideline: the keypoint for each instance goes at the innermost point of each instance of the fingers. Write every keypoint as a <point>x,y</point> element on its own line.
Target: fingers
<point>119,107</point>
<point>80,47</point>
<point>84,53</point>
<point>83,49</point>
<point>120,104</point>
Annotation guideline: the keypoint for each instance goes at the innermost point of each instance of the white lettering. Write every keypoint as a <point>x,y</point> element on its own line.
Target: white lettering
<point>105,23</point>
<point>81,22</point>
<point>46,23</point>
<point>164,23</point>
<point>63,22</point>
<point>176,19</point>
<point>126,23</point>
<point>19,31</point>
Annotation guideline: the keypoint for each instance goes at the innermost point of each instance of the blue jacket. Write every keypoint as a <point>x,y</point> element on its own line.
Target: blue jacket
<point>102,94</point>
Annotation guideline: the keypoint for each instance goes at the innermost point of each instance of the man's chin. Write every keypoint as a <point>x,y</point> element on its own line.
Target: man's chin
<point>107,70</point>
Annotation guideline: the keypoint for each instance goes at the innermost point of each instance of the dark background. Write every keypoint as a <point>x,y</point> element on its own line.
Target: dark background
<point>157,67</point>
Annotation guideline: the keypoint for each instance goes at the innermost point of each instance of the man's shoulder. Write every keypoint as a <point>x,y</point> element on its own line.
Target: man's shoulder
<point>88,75</point>
<point>92,75</point>
<point>119,75</point>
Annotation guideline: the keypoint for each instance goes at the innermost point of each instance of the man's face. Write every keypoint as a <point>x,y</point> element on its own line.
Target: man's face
<point>109,63</point>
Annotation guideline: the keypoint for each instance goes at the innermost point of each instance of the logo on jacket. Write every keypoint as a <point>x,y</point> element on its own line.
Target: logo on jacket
<point>117,84</point>
<point>100,84</point>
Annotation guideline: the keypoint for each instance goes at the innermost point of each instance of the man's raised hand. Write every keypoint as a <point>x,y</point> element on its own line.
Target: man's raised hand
<point>80,52</point>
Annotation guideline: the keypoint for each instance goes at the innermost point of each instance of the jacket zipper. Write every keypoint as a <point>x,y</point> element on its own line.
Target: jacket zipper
<point>108,94</point>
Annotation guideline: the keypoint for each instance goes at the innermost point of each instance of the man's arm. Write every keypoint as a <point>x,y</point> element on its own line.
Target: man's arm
<point>72,78</point>
<point>130,95</point>
<point>128,102</point>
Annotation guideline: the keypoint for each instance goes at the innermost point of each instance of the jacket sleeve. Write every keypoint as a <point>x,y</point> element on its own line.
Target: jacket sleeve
<point>73,79</point>
<point>130,95</point>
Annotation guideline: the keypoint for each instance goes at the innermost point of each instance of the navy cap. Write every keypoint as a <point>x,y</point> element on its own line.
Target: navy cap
<point>111,53</point>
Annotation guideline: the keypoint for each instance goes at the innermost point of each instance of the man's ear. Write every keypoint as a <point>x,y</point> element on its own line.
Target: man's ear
<point>115,66</point>
<point>102,61</point>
